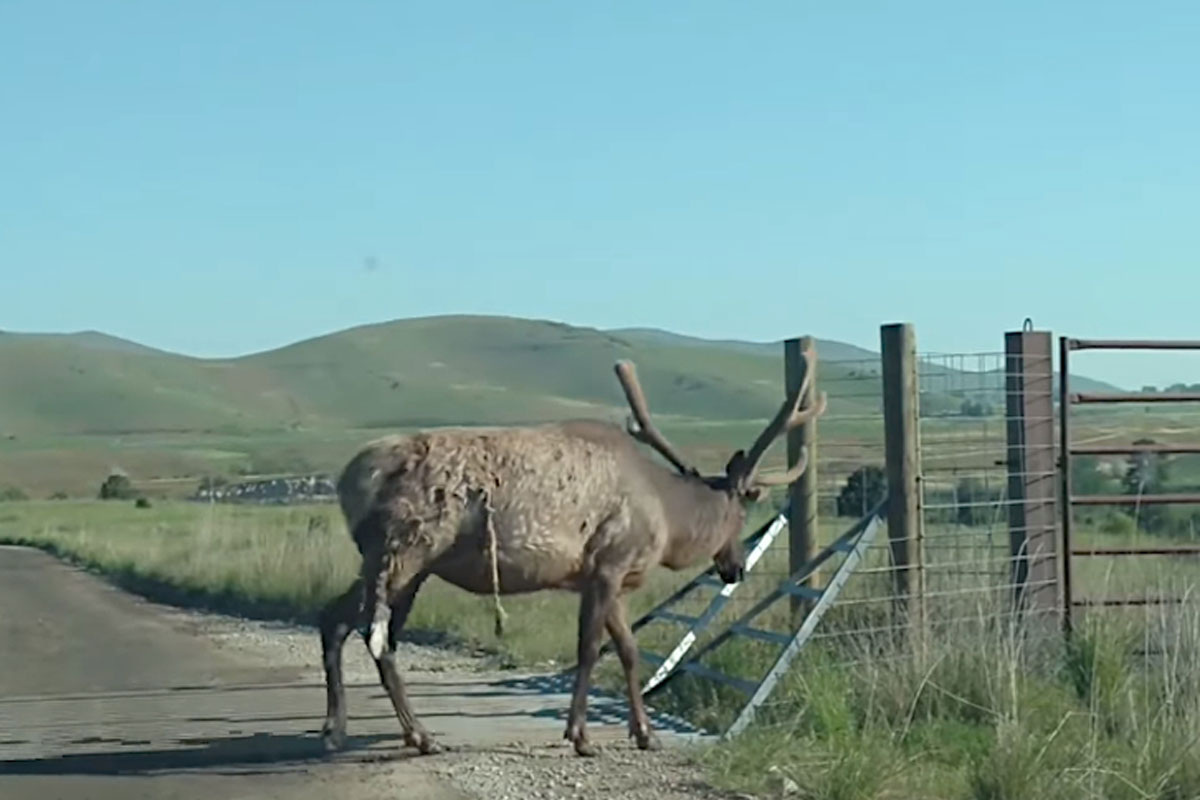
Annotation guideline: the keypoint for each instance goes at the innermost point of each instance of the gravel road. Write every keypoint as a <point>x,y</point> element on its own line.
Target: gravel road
<point>106,695</point>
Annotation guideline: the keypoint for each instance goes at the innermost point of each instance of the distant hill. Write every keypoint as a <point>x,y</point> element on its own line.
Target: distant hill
<point>827,349</point>
<point>937,378</point>
<point>413,372</point>
<point>91,340</point>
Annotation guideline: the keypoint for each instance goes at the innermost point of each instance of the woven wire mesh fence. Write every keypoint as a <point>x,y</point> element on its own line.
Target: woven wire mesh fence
<point>961,577</point>
<point>849,462</point>
<point>971,540</point>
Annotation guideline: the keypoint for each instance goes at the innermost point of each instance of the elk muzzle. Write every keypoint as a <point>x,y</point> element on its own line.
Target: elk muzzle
<point>730,562</point>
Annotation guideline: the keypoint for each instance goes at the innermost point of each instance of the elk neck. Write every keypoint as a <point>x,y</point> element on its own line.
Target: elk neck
<point>700,519</point>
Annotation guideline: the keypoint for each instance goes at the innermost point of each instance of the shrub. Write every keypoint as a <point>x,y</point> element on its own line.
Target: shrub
<point>11,494</point>
<point>117,487</point>
<point>865,487</point>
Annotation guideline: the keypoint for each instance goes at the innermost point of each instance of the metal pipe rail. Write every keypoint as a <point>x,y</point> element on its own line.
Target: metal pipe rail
<point>1132,344</point>
<point>1132,449</point>
<point>1067,398</point>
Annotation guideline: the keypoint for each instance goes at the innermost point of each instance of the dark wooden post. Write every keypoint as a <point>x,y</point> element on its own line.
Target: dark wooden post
<point>1032,472</point>
<point>901,421</point>
<point>802,500</point>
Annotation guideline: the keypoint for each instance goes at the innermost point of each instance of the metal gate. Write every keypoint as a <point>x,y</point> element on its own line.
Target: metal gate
<point>1067,449</point>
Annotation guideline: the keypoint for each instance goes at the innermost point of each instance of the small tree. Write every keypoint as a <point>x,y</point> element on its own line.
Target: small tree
<point>12,494</point>
<point>865,487</point>
<point>117,486</point>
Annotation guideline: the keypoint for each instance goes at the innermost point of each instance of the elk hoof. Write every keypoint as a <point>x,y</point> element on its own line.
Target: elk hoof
<point>586,749</point>
<point>333,738</point>
<point>647,741</point>
<point>577,737</point>
<point>424,743</point>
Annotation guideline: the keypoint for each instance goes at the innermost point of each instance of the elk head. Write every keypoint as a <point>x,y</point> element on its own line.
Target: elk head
<point>740,483</point>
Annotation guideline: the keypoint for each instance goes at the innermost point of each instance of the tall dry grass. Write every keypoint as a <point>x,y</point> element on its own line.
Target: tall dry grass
<point>989,710</point>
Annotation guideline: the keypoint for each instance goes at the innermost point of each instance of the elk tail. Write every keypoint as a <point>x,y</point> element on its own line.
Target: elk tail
<point>375,612</point>
<point>381,613</point>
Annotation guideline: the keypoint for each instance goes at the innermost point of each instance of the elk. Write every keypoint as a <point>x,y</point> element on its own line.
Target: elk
<point>571,505</point>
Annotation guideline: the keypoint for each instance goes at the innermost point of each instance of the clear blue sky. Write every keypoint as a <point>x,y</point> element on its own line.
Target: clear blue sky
<point>219,177</point>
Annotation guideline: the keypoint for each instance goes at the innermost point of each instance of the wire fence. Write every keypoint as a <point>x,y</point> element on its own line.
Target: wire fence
<point>964,478</point>
<point>964,561</point>
<point>987,501</point>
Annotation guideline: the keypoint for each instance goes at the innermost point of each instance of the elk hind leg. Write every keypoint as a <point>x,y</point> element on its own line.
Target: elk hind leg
<point>415,733</point>
<point>639,722</point>
<point>598,593</point>
<point>336,621</point>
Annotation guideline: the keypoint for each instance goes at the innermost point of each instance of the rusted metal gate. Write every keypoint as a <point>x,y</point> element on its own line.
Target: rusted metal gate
<point>1069,399</point>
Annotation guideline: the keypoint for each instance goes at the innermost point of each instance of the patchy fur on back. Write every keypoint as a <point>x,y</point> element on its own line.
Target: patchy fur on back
<point>547,491</point>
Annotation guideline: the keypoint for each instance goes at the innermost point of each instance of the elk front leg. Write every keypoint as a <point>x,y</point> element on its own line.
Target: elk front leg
<point>597,595</point>
<point>336,621</point>
<point>622,635</point>
<point>415,734</point>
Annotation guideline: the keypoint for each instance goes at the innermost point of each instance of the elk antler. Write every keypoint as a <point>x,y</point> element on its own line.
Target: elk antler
<point>789,416</point>
<point>786,478</point>
<point>645,431</point>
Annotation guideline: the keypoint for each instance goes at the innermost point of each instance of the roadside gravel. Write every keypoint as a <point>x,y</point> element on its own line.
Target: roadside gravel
<point>519,771</point>
<point>541,773</point>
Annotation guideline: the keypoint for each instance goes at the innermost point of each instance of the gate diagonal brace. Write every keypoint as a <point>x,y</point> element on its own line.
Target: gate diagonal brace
<point>853,544</point>
<point>756,546</point>
<point>697,624</point>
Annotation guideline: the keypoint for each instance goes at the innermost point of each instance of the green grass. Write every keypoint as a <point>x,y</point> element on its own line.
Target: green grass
<point>977,714</point>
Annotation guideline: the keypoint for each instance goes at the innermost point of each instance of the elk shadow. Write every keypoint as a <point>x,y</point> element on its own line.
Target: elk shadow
<point>200,752</point>
<point>604,707</point>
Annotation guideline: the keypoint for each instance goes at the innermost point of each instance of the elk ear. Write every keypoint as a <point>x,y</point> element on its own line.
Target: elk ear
<point>736,464</point>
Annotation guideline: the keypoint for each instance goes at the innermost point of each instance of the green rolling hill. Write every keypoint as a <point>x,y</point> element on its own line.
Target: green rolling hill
<point>414,372</point>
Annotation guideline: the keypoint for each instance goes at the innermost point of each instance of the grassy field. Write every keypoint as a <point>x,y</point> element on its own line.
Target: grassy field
<point>979,713</point>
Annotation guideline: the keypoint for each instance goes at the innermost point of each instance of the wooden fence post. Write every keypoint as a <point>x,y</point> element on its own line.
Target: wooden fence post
<point>1032,472</point>
<point>901,420</point>
<point>802,500</point>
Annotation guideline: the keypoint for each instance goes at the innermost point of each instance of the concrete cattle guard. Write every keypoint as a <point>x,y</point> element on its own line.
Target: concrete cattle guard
<point>573,505</point>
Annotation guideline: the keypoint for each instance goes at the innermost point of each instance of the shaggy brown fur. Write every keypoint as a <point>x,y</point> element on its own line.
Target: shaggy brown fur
<point>576,506</point>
